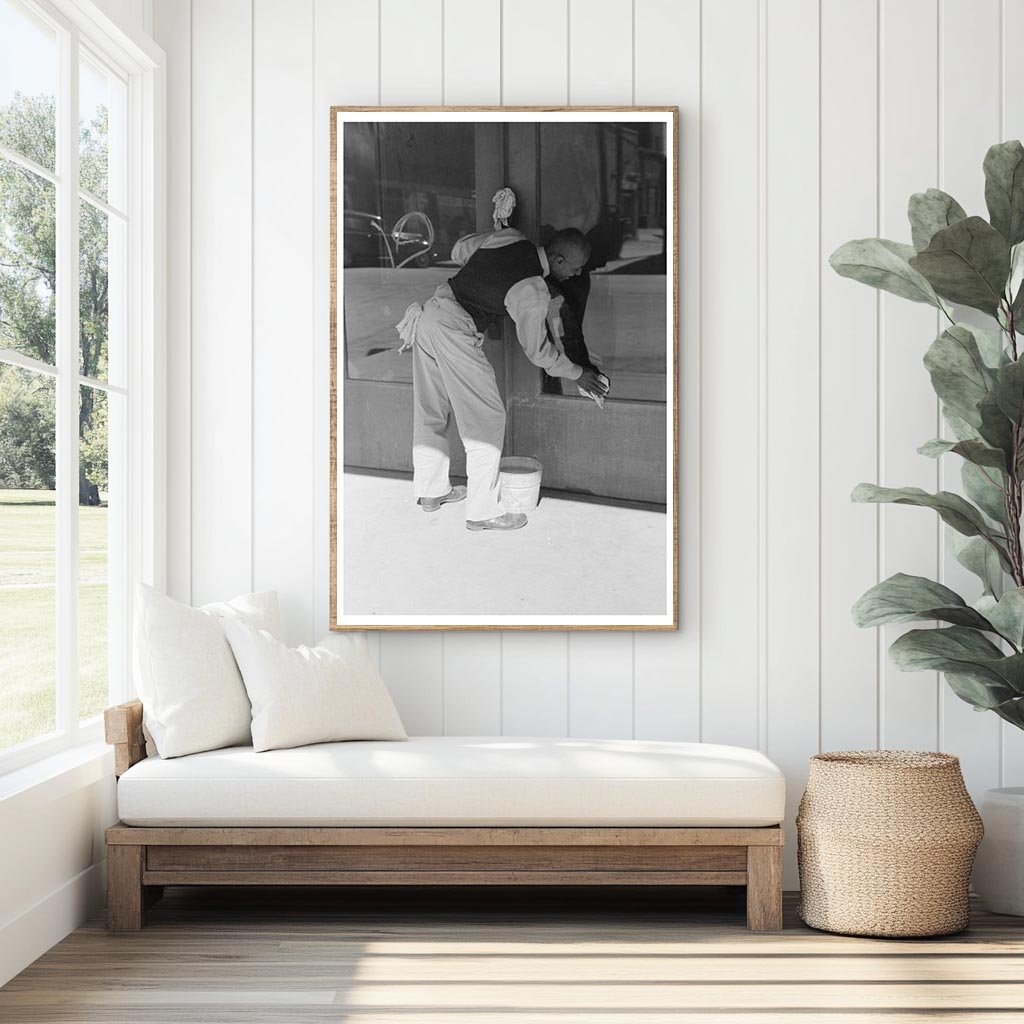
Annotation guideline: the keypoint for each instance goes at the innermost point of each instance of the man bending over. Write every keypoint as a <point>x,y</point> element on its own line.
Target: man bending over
<point>501,272</point>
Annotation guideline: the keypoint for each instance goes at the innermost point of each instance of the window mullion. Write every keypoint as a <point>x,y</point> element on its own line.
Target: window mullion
<point>67,386</point>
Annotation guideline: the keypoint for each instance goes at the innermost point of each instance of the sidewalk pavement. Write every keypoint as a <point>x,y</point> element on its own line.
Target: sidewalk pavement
<point>572,557</point>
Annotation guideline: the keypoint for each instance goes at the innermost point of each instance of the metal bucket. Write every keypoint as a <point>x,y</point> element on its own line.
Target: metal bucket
<point>520,482</point>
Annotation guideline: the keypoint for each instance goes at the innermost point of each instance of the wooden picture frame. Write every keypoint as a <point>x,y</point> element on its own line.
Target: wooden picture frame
<point>632,443</point>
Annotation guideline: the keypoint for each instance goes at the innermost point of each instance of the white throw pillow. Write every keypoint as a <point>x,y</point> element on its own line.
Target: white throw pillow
<point>309,694</point>
<point>192,693</point>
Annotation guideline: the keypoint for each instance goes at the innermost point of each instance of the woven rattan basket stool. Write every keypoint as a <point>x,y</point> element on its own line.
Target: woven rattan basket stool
<point>886,841</point>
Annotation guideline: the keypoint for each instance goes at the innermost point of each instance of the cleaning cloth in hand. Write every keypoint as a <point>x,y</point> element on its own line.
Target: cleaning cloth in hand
<point>598,398</point>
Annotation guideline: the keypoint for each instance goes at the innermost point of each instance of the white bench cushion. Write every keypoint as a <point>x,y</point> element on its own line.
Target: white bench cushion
<point>459,780</point>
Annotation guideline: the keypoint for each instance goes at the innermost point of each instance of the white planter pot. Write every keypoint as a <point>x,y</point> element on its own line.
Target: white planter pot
<point>999,866</point>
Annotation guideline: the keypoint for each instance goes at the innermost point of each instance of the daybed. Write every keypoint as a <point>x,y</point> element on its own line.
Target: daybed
<point>444,811</point>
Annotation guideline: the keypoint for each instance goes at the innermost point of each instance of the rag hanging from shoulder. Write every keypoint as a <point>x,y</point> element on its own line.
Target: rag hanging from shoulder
<point>406,327</point>
<point>504,203</point>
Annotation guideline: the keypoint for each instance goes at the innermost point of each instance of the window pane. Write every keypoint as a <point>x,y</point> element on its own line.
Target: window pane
<point>93,551</point>
<point>101,280</point>
<point>28,545</point>
<point>101,104</point>
<point>609,180</point>
<point>409,195</point>
<point>28,263</point>
<point>28,85</point>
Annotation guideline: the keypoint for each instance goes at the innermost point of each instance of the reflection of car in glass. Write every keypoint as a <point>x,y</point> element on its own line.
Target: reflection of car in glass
<point>364,242</point>
<point>414,240</point>
<point>411,243</point>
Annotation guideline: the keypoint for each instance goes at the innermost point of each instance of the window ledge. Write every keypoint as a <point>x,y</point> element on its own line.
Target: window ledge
<point>54,776</point>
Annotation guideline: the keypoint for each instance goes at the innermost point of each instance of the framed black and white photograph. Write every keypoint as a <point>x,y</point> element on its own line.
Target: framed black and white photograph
<point>504,311</point>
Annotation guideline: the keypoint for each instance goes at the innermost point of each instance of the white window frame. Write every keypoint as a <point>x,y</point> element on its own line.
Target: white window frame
<point>141,64</point>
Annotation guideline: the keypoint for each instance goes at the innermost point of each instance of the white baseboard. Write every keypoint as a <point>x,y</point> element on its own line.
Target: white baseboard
<point>28,936</point>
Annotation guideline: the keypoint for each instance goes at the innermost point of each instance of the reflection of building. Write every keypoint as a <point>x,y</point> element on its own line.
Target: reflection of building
<point>604,178</point>
<point>650,188</point>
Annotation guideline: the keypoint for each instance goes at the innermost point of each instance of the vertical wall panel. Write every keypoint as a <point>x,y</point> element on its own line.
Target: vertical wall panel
<point>535,52</point>
<point>729,361</point>
<point>128,14</point>
<point>410,46</point>
<point>909,413</point>
<point>173,30</point>
<point>221,371</point>
<point>666,670</point>
<point>601,664</point>
<point>849,372</point>
<point>1012,127</point>
<point>283,308</point>
<point>410,73</point>
<point>352,81</point>
<point>534,695</point>
<point>413,672</point>
<point>472,661</point>
<point>601,684</point>
<point>472,52</point>
<point>600,59</point>
<point>969,124</point>
<point>792,387</point>
<point>472,684</point>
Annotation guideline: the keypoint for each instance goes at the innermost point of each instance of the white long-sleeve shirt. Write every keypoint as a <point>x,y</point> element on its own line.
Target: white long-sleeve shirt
<point>527,303</point>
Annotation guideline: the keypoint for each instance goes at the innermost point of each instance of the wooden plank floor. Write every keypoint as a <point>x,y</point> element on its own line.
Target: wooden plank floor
<point>219,956</point>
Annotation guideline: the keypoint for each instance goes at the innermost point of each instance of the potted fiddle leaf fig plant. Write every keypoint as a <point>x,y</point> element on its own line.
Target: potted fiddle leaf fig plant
<point>956,260</point>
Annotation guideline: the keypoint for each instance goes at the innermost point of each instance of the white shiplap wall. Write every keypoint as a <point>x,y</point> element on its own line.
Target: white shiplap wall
<point>804,123</point>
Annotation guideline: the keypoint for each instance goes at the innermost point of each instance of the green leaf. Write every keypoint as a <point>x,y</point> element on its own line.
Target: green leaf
<point>962,430</point>
<point>943,650</point>
<point>973,451</point>
<point>1017,309</point>
<point>1004,189</point>
<point>967,263</point>
<point>1015,285</point>
<point>958,372</point>
<point>932,211</point>
<point>963,652</point>
<point>952,509</point>
<point>1011,711</point>
<point>1016,278</point>
<point>996,428</point>
<point>903,598</point>
<point>1009,390</point>
<point>990,345</point>
<point>976,555</point>
<point>883,264</point>
<point>985,487</point>
<point>1006,614</point>
<point>980,692</point>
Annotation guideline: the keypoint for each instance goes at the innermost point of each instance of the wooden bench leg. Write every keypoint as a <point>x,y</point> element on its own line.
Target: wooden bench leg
<point>764,888</point>
<point>125,897</point>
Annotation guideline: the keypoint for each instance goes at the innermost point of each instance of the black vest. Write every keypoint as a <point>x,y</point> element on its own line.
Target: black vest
<point>482,284</point>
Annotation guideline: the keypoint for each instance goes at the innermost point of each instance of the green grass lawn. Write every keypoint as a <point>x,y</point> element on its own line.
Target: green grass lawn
<point>28,614</point>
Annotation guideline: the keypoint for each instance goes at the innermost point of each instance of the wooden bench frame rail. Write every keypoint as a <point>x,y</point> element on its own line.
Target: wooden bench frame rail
<point>142,860</point>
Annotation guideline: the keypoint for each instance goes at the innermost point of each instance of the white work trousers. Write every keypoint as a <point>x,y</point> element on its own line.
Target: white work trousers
<point>451,374</point>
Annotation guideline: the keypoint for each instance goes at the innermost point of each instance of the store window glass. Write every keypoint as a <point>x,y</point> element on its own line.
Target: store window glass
<point>609,181</point>
<point>409,192</point>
